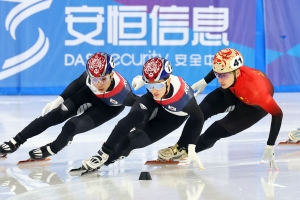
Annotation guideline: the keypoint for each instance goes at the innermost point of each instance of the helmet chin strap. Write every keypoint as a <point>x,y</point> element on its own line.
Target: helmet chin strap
<point>166,92</point>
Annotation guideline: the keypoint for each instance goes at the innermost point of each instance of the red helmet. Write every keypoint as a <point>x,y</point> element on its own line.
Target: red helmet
<point>156,69</point>
<point>99,65</point>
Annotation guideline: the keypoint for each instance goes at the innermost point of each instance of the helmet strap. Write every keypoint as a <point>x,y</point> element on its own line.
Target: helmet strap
<point>166,92</point>
<point>234,75</point>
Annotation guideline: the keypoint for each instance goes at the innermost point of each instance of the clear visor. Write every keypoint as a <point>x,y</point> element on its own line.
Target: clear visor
<point>101,80</point>
<point>157,86</point>
<point>222,75</point>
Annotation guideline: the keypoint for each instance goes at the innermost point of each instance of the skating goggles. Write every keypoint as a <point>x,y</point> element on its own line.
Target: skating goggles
<point>102,79</point>
<point>157,86</point>
<point>222,75</point>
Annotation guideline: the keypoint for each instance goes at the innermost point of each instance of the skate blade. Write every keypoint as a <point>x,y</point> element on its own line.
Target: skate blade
<point>88,172</point>
<point>289,143</point>
<point>30,160</point>
<point>76,170</point>
<point>80,172</point>
<point>161,162</point>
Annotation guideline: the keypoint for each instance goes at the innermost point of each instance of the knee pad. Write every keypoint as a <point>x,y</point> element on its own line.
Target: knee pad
<point>82,123</point>
<point>69,129</point>
<point>138,139</point>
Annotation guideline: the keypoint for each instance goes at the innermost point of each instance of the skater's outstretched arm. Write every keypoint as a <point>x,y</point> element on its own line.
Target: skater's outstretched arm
<point>195,127</point>
<point>199,86</point>
<point>71,89</point>
<point>269,105</point>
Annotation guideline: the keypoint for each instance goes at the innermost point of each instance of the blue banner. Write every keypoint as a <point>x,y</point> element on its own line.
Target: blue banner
<point>283,44</point>
<point>46,43</point>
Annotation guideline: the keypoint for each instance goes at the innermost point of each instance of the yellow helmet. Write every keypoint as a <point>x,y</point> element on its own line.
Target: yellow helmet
<point>227,60</point>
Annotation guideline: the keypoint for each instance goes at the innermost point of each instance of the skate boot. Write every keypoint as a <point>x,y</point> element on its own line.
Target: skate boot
<point>172,153</point>
<point>96,161</point>
<point>91,164</point>
<point>9,147</point>
<point>41,153</point>
<point>295,135</point>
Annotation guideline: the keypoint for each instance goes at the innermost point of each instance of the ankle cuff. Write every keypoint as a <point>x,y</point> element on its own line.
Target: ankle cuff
<point>19,139</point>
<point>13,141</point>
<point>106,149</point>
<point>49,150</point>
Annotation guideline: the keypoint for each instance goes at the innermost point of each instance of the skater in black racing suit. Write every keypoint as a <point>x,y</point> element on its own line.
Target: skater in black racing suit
<point>164,108</point>
<point>100,92</point>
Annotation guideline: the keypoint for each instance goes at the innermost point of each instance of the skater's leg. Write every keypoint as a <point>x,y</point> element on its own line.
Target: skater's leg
<point>146,134</point>
<point>162,124</point>
<point>37,126</point>
<point>240,119</point>
<point>218,101</point>
<point>53,118</point>
<point>136,139</point>
<point>91,118</point>
<point>56,116</point>
<point>136,115</point>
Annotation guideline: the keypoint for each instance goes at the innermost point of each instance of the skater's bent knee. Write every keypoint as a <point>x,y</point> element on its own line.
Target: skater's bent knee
<point>69,128</point>
<point>139,139</point>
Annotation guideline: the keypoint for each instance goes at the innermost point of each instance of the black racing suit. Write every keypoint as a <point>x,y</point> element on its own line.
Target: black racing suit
<point>76,94</point>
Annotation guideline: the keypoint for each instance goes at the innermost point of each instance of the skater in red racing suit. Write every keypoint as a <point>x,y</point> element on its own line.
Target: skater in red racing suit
<point>245,93</point>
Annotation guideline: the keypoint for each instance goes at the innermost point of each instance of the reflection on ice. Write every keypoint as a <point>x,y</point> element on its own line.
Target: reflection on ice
<point>232,169</point>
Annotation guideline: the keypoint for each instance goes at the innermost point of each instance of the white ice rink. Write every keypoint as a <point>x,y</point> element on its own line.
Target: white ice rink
<point>233,169</point>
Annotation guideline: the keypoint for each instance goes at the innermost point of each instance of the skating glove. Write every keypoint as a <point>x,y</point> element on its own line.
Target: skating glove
<point>199,86</point>
<point>137,82</point>
<point>192,156</point>
<point>52,105</point>
<point>269,154</point>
